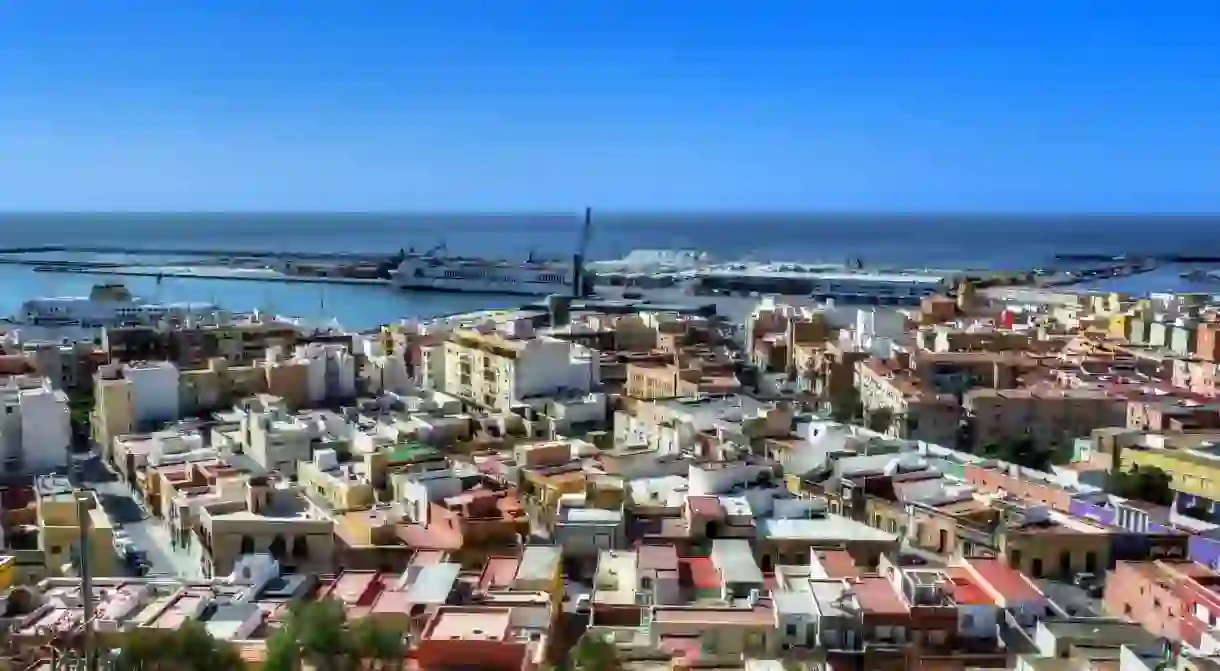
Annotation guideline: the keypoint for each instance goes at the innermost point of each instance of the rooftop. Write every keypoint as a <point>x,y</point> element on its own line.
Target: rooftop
<point>469,624</point>
<point>830,527</point>
<point>539,563</point>
<point>1008,582</point>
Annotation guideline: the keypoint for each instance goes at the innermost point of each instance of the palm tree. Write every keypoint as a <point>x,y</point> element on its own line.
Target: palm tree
<point>188,648</point>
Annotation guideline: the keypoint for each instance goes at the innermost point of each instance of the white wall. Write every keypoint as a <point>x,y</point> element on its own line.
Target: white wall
<point>46,431</point>
<point>548,366</point>
<point>978,620</point>
<point>154,392</point>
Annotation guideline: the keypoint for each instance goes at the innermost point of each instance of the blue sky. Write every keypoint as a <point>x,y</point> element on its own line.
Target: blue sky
<point>631,104</point>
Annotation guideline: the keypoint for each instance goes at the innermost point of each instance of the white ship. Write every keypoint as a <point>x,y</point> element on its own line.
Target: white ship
<point>436,271</point>
<point>108,305</point>
<point>431,272</point>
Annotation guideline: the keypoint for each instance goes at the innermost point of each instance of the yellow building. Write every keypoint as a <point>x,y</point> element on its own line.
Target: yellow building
<point>541,570</point>
<point>343,486</point>
<point>59,528</point>
<point>1192,474</point>
<point>8,572</point>
<point>113,414</point>
<point>481,367</point>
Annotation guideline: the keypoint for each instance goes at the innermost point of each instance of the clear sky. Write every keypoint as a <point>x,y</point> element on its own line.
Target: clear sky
<point>622,104</point>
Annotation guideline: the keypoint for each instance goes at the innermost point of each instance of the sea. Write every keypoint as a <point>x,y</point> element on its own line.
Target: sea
<point>991,242</point>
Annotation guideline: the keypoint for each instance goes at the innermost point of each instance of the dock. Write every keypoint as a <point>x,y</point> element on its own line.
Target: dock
<point>1138,258</point>
<point>179,251</point>
<point>219,274</point>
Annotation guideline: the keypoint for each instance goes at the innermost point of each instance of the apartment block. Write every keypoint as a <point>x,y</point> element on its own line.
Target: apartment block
<point>502,369</point>
<point>270,519</point>
<point>1050,417</point>
<point>35,429</point>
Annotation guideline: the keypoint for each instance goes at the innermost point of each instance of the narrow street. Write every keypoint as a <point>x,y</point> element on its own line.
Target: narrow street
<point>126,512</point>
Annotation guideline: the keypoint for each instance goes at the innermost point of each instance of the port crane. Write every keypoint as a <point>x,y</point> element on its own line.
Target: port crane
<point>579,289</point>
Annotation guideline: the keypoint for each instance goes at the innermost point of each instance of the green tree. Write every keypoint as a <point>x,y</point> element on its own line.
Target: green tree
<point>845,406</point>
<point>319,634</point>
<point>1146,483</point>
<point>187,648</point>
<point>1023,451</point>
<point>385,647</point>
<point>595,653</point>
<point>881,420</point>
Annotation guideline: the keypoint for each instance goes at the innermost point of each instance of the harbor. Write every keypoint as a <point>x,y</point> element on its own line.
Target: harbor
<point>206,273</point>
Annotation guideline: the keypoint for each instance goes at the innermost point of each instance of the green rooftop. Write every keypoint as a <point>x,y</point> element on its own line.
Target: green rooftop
<point>411,451</point>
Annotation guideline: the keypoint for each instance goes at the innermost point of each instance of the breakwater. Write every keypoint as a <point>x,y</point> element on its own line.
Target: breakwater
<point>207,274</point>
<point>178,251</point>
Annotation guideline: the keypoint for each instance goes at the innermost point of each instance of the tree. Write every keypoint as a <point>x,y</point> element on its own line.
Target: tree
<point>319,633</point>
<point>382,645</point>
<point>595,653</point>
<point>881,420</point>
<point>845,406</point>
<point>1023,451</point>
<point>1145,483</point>
<point>187,648</point>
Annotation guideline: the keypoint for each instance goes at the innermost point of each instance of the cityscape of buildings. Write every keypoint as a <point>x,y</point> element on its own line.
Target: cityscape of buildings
<point>982,480</point>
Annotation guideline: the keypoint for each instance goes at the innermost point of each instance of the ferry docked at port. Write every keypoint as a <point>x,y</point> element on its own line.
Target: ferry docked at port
<point>436,271</point>
<point>109,304</point>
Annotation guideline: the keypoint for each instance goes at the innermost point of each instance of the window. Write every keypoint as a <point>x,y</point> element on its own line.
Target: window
<point>1036,569</point>
<point>55,549</point>
<point>247,545</point>
<point>792,630</point>
<point>300,547</point>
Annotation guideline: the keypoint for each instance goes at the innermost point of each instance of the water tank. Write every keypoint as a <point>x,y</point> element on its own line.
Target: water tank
<point>560,308</point>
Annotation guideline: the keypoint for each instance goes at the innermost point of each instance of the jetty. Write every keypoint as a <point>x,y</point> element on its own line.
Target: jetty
<point>206,274</point>
<point>210,252</point>
<point>1136,258</point>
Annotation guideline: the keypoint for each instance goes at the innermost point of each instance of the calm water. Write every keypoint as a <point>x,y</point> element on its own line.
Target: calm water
<point>924,241</point>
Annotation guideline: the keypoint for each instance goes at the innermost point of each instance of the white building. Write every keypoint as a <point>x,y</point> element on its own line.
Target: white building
<point>154,392</point>
<point>332,371</point>
<point>275,438</point>
<point>504,367</point>
<point>35,429</point>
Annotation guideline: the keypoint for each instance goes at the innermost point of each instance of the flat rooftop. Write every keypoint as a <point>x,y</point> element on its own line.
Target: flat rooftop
<point>828,528</point>
<point>539,563</point>
<point>759,616</point>
<point>470,624</point>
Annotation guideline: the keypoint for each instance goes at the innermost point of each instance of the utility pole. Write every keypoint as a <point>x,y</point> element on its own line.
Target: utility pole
<point>83,501</point>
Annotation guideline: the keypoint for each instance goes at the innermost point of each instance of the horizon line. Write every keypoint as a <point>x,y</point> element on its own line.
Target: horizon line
<point>577,213</point>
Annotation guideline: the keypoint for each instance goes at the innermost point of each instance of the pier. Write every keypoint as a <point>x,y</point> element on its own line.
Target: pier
<point>1139,258</point>
<point>178,251</point>
<point>203,274</point>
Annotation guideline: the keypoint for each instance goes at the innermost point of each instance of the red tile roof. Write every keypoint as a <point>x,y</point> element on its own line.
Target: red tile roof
<point>498,573</point>
<point>838,563</point>
<point>1005,580</point>
<point>703,573</point>
<point>877,595</point>
<point>705,506</point>
<point>965,590</point>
